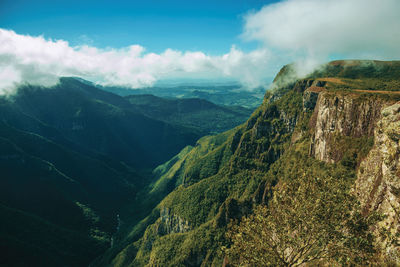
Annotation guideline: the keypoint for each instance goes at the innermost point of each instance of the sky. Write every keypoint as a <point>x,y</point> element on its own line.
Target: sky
<point>211,26</point>
<point>138,43</point>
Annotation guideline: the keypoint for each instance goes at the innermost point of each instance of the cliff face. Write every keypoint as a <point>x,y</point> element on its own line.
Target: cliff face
<point>344,123</point>
<point>171,223</point>
<point>378,178</point>
<point>341,115</point>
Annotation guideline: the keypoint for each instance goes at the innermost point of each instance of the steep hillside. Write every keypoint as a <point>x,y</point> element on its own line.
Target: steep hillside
<point>71,158</point>
<point>191,112</point>
<point>330,124</point>
<point>47,216</point>
<point>102,122</point>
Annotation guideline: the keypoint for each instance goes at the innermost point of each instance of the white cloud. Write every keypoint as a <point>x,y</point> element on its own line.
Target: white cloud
<point>35,60</point>
<point>305,31</point>
<point>8,78</point>
<point>327,28</point>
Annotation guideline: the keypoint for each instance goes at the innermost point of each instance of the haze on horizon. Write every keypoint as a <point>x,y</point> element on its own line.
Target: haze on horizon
<point>136,44</point>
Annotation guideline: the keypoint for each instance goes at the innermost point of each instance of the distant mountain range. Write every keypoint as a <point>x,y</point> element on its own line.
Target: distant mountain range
<point>221,94</point>
<point>194,113</point>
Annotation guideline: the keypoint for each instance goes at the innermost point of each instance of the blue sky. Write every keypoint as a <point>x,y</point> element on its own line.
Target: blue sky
<point>139,43</point>
<point>207,25</point>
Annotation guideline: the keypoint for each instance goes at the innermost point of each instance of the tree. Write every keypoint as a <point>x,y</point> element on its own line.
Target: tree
<point>309,220</point>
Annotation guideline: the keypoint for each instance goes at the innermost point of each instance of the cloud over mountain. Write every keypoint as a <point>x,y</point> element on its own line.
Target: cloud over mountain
<point>319,29</point>
<point>40,61</point>
<point>307,31</point>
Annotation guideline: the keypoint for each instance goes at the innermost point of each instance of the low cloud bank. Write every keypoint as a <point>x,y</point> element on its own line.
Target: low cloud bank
<point>313,31</point>
<point>35,60</point>
<point>305,31</point>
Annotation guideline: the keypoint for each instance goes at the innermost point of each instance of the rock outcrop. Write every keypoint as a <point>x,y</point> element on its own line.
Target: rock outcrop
<point>310,97</point>
<point>378,183</point>
<point>339,115</point>
<point>171,223</point>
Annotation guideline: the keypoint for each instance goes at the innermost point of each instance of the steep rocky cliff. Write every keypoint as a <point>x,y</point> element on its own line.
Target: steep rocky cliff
<point>345,127</point>
<point>340,115</point>
<point>378,179</point>
<point>342,121</point>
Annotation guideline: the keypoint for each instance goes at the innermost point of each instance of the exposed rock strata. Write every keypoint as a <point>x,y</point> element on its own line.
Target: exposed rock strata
<point>171,223</point>
<point>378,183</point>
<point>340,115</point>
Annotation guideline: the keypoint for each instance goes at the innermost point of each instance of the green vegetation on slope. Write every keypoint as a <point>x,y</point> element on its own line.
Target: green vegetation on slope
<point>72,156</point>
<point>188,227</point>
<point>310,220</point>
<point>102,122</point>
<point>27,239</point>
<point>215,187</point>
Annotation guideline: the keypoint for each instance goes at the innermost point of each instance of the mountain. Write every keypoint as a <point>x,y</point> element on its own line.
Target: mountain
<point>57,205</point>
<point>93,178</point>
<point>191,112</point>
<point>226,95</point>
<point>341,122</point>
<point>103,122</point>
<point>71,157</point>
<point>76,163</point>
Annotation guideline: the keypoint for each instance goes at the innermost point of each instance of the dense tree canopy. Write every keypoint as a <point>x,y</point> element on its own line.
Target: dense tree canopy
<point>308,220</point>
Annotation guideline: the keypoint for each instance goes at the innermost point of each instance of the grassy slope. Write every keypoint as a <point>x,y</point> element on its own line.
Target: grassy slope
<point>167,177</point>
<point>210,185</point>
